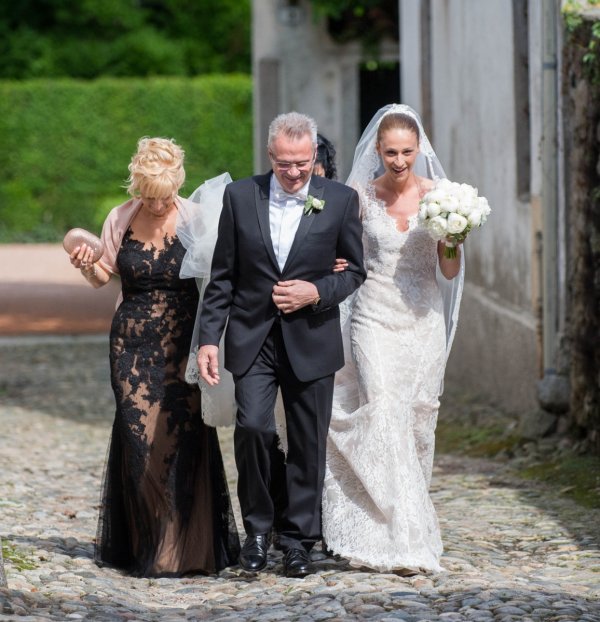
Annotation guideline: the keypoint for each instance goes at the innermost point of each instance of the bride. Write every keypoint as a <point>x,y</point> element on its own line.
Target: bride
<point>376,506</point>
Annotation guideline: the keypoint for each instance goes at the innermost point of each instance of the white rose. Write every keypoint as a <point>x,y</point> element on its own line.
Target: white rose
<point>457,223</point>
<point>449,204</point>
<point>433,209</point>
<point>483,206</point>
<point>317,204</point>
<point>466,206</point>
<point>467,193</point>
<point>438,227</point>
<point>435,195</point>
<point>475,217</point>
<point>444,185</point>
<point>423,214</point>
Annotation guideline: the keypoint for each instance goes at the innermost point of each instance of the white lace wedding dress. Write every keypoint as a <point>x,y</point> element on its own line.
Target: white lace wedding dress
<point>376,506</point>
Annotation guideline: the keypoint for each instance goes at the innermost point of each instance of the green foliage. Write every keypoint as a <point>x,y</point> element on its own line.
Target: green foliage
<point>470,426</point>
<point>67,143</point>
<point>591,59</point>
<point>584,33</point>
<point>90,38</point>
<point>18,558</point>
<point>367,21</point>
<point>571,11</point>
<point>576,476</point>
<point>472,440</point>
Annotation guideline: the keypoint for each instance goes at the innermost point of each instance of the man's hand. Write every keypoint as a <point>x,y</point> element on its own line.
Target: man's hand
<point>208,364</point>
<point>290,296</point>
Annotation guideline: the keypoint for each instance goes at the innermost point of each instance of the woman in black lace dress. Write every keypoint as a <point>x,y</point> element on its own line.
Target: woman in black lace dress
<point>165,508</point>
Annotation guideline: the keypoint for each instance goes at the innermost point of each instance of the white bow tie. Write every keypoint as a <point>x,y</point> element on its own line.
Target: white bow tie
<point>282,195</point>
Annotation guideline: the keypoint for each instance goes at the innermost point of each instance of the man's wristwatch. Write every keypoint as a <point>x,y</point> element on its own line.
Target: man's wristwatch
<point>315,303</point>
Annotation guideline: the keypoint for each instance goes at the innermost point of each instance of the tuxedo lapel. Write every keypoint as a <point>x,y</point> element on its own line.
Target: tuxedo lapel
<point>315,190</point>
<point>261,196</point>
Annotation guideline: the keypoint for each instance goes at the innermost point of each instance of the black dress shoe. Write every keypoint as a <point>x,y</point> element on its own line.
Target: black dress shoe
<point>296,563</point>
<point>253,556</point>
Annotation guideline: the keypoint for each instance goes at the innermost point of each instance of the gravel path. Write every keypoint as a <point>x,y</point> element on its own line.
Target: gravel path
<point>513,550</point>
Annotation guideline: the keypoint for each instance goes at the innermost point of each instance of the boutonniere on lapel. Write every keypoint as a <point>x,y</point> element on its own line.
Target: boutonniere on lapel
<point>312,204</point>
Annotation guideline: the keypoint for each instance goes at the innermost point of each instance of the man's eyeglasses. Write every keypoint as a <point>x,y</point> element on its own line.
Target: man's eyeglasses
<point>286,166</point>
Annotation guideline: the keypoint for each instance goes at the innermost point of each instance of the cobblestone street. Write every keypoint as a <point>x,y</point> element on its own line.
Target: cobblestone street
<point>513,550</point>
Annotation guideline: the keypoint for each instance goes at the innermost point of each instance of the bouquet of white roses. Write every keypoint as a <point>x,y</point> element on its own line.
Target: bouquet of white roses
<point>450,210</point>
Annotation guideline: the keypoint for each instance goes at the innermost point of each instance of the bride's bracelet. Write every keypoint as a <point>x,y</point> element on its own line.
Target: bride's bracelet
<point>89,273</point>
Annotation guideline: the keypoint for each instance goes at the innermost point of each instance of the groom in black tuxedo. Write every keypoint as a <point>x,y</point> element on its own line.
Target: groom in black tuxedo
<point>272,283</point>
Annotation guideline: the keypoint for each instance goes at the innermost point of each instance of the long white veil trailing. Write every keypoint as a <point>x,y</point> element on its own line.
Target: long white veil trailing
<point>366,167</point>
<point>197,227</point>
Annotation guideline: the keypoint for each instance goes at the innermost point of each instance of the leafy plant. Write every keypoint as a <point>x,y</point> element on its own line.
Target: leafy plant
<point>368,21</point>
<point>89,39</point>
<point>582,34</point>
<point>591,59</point>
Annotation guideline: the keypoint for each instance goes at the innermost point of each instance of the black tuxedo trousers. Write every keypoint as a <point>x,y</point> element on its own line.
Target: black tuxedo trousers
<point>308,412</point>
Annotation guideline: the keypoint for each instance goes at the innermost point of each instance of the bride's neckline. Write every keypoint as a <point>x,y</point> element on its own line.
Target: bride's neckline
<point>409,220</point>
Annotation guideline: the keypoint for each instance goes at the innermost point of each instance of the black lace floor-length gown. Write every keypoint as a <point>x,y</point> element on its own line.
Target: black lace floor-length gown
<point>165,507</point>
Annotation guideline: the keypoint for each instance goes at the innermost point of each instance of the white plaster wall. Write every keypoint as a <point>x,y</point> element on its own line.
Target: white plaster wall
<point>264,46</point>
<point>410,50</point>
<point>474,136</point>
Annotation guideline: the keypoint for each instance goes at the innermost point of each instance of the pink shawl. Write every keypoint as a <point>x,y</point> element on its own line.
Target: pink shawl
<point>114,228</point>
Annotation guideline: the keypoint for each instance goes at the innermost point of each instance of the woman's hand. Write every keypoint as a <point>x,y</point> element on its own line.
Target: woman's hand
<point>82,258</point>
<point>449,267</point>
<point>340,265</point>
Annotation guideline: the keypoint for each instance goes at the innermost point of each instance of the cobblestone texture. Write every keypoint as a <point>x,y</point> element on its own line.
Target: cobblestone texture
<point>513,551</point>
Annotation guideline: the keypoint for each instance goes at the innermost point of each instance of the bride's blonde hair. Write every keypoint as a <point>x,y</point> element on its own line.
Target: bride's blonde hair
<point>156,169</point>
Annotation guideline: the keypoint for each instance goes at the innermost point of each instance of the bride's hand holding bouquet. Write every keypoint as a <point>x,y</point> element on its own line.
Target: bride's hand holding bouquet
<point>450,210</point>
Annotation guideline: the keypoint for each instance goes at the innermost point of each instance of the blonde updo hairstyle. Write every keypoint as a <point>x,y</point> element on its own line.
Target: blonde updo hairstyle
<point>156,170</point>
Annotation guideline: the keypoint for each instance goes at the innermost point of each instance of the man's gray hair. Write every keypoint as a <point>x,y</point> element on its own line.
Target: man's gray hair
<point>293,125</point>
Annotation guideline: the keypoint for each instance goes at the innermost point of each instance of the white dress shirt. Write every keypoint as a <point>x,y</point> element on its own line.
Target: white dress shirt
<point>285,213</point>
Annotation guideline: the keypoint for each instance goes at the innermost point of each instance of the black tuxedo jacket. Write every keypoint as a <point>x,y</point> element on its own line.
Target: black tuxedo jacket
<point>244,270</point>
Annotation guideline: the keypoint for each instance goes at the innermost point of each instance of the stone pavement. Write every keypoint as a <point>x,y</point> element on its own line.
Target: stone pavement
<point>513,550</point>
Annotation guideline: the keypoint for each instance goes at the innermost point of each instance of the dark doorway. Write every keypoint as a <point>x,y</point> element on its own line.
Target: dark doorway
<point>379,85</point>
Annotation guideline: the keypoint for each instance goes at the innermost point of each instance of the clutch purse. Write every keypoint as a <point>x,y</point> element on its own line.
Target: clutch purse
<point>77,237</point>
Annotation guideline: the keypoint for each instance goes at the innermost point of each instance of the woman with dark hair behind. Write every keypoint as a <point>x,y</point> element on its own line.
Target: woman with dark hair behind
<point>325,159</point>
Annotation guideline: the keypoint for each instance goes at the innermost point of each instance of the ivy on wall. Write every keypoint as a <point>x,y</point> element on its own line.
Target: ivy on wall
<point>581,115</point>
<point>369,21</point>
<point>574,18</point>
